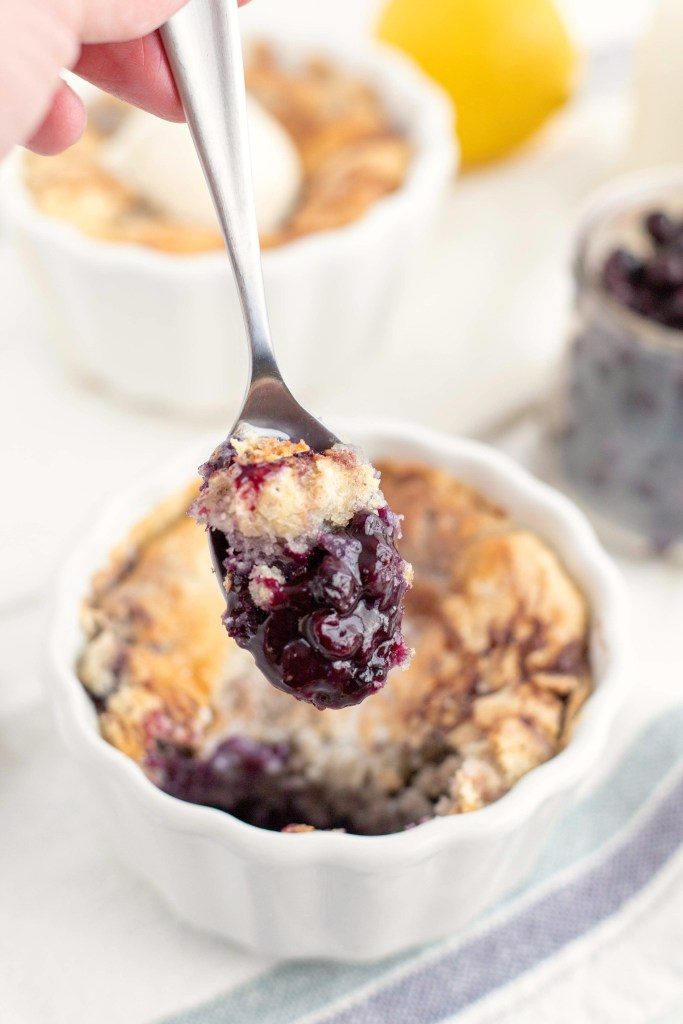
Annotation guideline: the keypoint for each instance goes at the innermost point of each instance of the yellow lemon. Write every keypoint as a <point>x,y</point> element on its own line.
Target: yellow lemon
<point>507,64</point>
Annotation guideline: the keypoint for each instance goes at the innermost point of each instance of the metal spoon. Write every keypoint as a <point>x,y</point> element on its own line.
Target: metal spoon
<point>202,42</point>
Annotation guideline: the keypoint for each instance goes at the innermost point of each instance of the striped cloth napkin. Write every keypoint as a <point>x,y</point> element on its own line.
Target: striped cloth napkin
<point>595,936</point>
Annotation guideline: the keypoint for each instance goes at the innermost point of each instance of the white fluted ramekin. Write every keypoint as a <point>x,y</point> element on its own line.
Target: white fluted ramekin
<point>329,894</point>
<point>166,330</point>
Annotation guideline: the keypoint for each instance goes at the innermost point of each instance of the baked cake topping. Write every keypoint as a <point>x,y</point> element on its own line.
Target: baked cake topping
<point>274,491</point>
<point>499,674</point>
<point>314,582</point>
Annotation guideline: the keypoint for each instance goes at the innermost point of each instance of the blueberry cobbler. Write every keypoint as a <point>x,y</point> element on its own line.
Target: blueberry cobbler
<point>619,429</point>
<point>499,673</point>
<point>314,582</point>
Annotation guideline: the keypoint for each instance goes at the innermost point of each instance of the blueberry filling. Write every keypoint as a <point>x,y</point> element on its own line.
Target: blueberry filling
<point>241,776</point>
<point>263,785</point>
<point>651,284</point>
<point>620,437</point>
<point>331,630</point>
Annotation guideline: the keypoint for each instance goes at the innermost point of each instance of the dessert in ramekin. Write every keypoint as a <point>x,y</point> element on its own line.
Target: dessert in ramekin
<point>355,151</point>
<point>517,620</point>
<point>615,430</point>
<point>325,150</point>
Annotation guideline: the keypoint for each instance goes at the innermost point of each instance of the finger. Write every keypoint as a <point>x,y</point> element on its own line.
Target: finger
<point>136,71</point>
<point>62,125</point>
<point>104,21</point>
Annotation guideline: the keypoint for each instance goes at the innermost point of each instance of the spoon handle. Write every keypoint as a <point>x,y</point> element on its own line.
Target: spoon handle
<point>202,42</point>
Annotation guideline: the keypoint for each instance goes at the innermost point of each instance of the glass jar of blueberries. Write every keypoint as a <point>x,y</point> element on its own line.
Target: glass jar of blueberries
<point>615,432</point>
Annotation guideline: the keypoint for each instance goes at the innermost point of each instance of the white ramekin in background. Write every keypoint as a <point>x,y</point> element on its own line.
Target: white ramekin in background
<point>166,331</point>
<point>327,894</point>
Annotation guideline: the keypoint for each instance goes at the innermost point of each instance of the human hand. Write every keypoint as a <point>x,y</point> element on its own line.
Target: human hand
<point>112,43</point>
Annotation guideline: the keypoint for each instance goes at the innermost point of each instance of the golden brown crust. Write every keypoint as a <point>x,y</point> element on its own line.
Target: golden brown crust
<point>251,450</point>
<point>348,183</point>
<point>440,514</point>
<point>499,674</point>
<point>155,645</point>
<point>350,154</point>
<point>323,108</point>
<point>300,492</point>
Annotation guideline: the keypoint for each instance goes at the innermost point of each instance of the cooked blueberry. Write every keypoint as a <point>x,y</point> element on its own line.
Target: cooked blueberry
<point>666,270</point>
<point>650,285</point>
<point>333,635</point>
<point>339,583</point>
<point>280,626</point>
<point>620,273</point>
<point>661,228</point>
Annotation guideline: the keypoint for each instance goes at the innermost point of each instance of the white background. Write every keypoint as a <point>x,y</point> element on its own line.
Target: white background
<point>86,942</point>
<point>594,21</point>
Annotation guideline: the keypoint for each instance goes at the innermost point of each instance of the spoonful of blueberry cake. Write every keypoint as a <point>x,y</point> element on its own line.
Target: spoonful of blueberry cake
<point>301,537</point>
